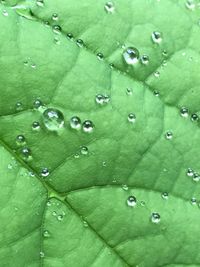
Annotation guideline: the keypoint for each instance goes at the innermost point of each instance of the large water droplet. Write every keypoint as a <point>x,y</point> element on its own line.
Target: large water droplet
<point>156,37</point>
<point>131,55</point>
<point>88,126</point>
<point>75,122</point>
<point>53,119</point>
<point>155,217</point>
<point>131,201</point>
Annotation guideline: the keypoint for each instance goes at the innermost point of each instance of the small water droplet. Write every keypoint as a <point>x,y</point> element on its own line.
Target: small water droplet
<point>69,36</point>
<point>40,3</point>
<point>80,42</point>
<point>184,112</point>
<point>155,217</point>
<point>131,201</point>
<point>84,150</point>
<point>190,172</point>
<point>194,117</point>
<point>196,177</point>
<point>53,119</point>
<point>10,166</point>
<point>157,74</point>
<point>156,37</point>
<point>131,117</point>
<point>190,4</point>
<point>165,195</point>
<point>156,93</point>
<point>46,233</point>
<point>102,99</point>
<point>169,135</point>
<point>60,217</point>
<point>193,201</point>
<point>100,56</point>
<point>37,104</point>
<point>56,29</point>
<point>35,125</point>
<point>109,7</point>
<point>104,164</point>
<point>44,172</point>
<point>26,153</point>
<point>144,59</point>
<point>19,106</point>
<point>131,55</point>
<point>5,13</point>
<point>54,16</point>
<point>41,254</point>
<point>164,53</point>
<point>88,126</point>
<point>75,122</point>
<point>20,140</point>
<point>129,91</point>
<point>125,187</point>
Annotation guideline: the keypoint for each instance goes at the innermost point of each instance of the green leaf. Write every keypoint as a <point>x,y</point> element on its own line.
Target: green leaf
<point>124,188</point>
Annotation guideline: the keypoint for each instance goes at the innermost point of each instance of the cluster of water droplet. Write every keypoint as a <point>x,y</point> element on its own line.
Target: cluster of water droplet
<point>193,174</point>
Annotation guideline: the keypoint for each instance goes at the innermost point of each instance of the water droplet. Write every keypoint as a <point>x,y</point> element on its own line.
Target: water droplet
<point>196,177</point>
<point>20,140</point>
<point>56,29</point>
<point>40,3</point>
<point>165,195</point>
<point>60,217</point>
<point>84,150</point>
<point>26,153</point>
<point>144,59</point>
<point>46,233</point>
<point>156,37</point>
<point>131,55</point>
<point>102,99</point>
<point>70,36</point>
<point>19,106</point>
<point>37,104</point>
<point>5,13</point>
<point>100,56</point>
<point>41,254</point>
<point>131,201</point>
<point>168,135</point>
<point>88,126</point>
<point>53,119</point>
<point>109,7</point>
<point>155,217</point>
<point>190,4</point>
<point>156,93</point>
<point>85,224</point>
<point>131,117</point>
<point>184,112</point>
<point>157,74</point>
<point>129,91</point>
<point>194,117</point>
<point>76,156</point>
<point>193,201</point>
<point>80,43</point>
<point>44,172</point>
<point>10,166</point>
<point>75,122</point>
<point>190,172</point>
<point>125,187</point>
<point>142,203</point>
<point>104,164</point>
<point>164,53</point>
<point>57,40</point>
<point>35,125</point>
<point>54,16</point>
